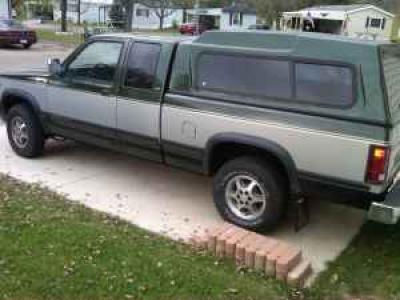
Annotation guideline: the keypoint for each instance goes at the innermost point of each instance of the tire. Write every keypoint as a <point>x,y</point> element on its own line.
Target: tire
<point>265,179</point>
<point>26,46</point>
<point>28,140</point>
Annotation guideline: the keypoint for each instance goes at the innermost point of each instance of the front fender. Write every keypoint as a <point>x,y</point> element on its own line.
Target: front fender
<point>9,94</point>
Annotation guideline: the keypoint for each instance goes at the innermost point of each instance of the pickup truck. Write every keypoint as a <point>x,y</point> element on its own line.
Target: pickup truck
<point>262,112</point>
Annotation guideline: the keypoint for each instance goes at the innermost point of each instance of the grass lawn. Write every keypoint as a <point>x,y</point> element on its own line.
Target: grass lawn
<point>370,267</point>
<point>51,248</point>
<point>75,39</point>
<point>51,36</point>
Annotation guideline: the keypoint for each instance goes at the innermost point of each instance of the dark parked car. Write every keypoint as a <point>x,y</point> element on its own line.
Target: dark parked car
<point>14,33</point>
<point>190,28</point>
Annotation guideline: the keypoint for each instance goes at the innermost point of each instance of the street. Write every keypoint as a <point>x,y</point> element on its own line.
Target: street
<point>16,58</point>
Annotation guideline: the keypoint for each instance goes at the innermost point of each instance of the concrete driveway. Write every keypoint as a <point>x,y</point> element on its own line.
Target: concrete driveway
<point>161,199</point>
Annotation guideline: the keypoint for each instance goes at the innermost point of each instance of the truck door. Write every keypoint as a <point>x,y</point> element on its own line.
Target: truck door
<point>138,101</point>
<point>82,99</point>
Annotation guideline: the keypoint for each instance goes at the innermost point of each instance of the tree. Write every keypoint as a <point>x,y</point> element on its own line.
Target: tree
<point>78,11</point>
<point>271,10</point>
<point>117,15</point>
<point>162,9</point>
<point>185,5</point>
<point>63,7</point>
<point>18,5</point>
<point>127,9</point>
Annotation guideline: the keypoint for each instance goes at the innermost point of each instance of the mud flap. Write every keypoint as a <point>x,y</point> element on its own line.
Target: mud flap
<point>387,211</point>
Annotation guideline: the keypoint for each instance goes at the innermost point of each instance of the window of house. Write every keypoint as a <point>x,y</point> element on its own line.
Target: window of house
<point>251,76</point>
<point>324,84</point>
<point>375,23</point>
<point>142,65</point>
<point>143,12</point>
<point>235,18</point>
<point>98,61</point>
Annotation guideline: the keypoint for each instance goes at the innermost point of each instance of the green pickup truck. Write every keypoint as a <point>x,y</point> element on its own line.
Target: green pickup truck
<point>262,112</point>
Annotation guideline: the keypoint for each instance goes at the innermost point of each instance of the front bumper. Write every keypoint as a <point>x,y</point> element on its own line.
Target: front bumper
<point>387,211</point>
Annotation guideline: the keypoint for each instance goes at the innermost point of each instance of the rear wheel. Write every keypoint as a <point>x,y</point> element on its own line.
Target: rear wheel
<point>25,132</point>
<point>250,193</point>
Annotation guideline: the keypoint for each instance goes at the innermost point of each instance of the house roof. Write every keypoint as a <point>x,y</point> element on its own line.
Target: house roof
<point>334,12</point>
<point>346,8</point>
<point>97,2</point>
<point>239,7</point>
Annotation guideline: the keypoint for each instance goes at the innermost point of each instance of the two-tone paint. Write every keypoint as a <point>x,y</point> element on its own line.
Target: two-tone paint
<point>179,125</point>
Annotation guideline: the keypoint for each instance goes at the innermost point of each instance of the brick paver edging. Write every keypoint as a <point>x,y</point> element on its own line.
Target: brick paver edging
<point>258,252</point>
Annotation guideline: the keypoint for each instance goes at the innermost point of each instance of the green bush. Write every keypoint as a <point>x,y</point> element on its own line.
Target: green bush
<point>174,24</point>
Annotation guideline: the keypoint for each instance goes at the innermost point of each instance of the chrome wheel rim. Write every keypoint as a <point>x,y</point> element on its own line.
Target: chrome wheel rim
<point>19,132</point>
<point>246,197</point>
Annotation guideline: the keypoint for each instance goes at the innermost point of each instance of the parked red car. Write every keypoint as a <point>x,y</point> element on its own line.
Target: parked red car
<point>14,33</point>
<point>190,28</point>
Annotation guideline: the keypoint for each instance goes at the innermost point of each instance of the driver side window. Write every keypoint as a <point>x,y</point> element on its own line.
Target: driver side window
<point>97,62</point>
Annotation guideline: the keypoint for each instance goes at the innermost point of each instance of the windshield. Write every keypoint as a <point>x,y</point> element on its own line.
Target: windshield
<point>391,69</point>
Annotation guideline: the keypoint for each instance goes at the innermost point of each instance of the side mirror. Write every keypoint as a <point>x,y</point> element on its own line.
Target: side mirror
<point>54,65</point>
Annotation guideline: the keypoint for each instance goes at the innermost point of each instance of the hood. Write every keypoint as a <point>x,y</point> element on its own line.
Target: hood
<point>26,74</point>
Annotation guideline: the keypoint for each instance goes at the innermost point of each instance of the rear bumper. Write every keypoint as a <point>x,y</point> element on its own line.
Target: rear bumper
<point>387,211</point>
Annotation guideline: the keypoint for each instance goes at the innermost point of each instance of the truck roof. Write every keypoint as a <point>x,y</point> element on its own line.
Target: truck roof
<point>278,39</point>
<point>142,36</point>
<point>260,39</point>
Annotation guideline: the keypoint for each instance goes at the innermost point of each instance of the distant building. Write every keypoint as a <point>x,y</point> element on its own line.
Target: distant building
<point>236,15</point>
<point>92,11</point>
<point>363,21</point>
<point>5,9</point>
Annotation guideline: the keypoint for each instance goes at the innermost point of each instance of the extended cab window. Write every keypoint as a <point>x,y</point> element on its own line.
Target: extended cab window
<point>324,84</point>
<point>251,76</point>
<point>98,61</point>
<point>142,65</point>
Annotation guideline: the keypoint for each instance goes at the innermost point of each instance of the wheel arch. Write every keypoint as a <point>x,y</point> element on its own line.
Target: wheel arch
<point>253,145</point>
<point>11,97</point>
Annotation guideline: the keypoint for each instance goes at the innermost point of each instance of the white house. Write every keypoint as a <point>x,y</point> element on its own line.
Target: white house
<point>364,21</point>
<point>5,9</point>
<point>237,15</point>
<point>145,17</point>
<point>92,11</point>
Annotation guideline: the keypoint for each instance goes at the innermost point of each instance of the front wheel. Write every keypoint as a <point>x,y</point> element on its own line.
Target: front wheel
<point>25,132</point>
<point>250,193</point>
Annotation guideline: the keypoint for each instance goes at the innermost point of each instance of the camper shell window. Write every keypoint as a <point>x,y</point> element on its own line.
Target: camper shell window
<point>278,79</point>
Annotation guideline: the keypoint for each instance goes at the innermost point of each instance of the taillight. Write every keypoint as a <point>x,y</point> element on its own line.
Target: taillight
<point>377,164</point>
